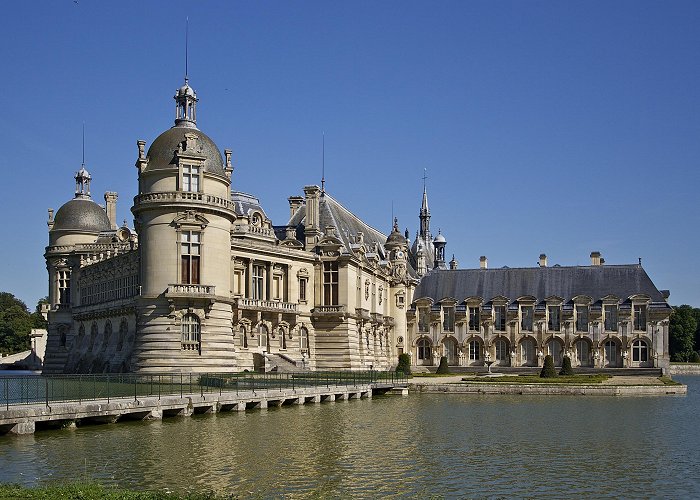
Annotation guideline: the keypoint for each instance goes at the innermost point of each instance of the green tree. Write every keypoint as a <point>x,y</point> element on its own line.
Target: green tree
<point>404,365</point>
<point>548,370</point>
<point>682,330</point>
<point>15,324</point>
<point>443,368</point>
<point>566,368</point>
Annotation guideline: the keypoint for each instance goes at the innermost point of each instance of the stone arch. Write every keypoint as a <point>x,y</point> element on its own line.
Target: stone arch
<point>94,331</point>
<point>475,346</point>
<point>582,348</point>
<point>612,352</point>
<point>107,335</point>
<point>554,347</point>
<point>641,353</point>
<point>123,332</point>
<point>450,349</point>
<point>501,350</point>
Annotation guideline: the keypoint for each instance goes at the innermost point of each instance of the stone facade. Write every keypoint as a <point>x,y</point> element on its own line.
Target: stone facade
<point>205,282</point>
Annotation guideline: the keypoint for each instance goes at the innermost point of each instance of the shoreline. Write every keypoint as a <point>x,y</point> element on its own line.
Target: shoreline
<point>623,386</point>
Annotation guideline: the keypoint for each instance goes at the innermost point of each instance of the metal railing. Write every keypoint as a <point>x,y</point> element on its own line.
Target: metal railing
<point>48,389</point>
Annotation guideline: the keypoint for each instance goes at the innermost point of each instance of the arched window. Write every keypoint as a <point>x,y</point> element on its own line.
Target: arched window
<point>582,352</point>
<point>640,351</point>
<point>93,336</point>
<point>610,353</point>
<point>423,349</point>
<point>262,336</point>
<point>451,350</point>
<point>304,338</point>
<point>244,337</point>
<point>555,349</point>
<point>527,352</point>
<point>62,336</point>
<point>283,337</point>
<point>107,334</point>
<point>190,333</point>
<point>501,350</point>
<point>123,331</point>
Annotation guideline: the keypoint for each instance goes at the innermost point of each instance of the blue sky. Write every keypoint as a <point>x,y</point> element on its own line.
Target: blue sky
<point>545,126</point>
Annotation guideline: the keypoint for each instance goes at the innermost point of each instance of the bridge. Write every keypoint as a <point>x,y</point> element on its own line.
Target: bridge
<point>33,403</point>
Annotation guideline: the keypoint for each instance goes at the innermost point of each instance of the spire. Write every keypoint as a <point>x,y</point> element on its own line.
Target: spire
<point>424,211</point>
<point>185,96</point>
<point>323,164</point>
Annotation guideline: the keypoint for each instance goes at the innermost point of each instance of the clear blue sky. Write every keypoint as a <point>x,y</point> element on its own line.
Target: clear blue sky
<point>545,126</point>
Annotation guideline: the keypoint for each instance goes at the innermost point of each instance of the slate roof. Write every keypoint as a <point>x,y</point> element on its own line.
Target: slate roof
<point>245,204</point>
<point>622,281</point>
<point>81,214</point>
<point>347,224</point>
<point>161,154</point>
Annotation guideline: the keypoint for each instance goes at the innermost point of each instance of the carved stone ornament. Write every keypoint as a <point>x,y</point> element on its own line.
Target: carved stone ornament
<point>399,271</point>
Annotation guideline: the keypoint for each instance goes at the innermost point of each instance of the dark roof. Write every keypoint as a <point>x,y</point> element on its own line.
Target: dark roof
<point>161,154</point>
<point>81,214</point>
<point>245,204</point>
<point>596,282</point>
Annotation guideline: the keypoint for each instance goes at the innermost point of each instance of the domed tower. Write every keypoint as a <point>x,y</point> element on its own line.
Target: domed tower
<point>78,222</point>
<point>401,287</point>
<point>183,215</point>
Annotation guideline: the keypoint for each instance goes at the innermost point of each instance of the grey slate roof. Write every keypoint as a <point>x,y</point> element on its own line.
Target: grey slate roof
<point>161,154</point>
<point>245,204</point>
<point>622,281</point>
<point>81,214</point>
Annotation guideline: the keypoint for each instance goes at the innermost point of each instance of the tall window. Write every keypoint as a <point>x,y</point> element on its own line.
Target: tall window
<point>304,338</point>
<point>448,323</point>
<point>500,318</point>
<point>190,178</point>
<point>582,352</point>
<point>283,337</point>
<point>640,352</point>
<point>190,244</point>
<point>554,322</point>
<point>423,319</point>
<point>64,287</point>
<point>262,336</point>
<point>611,318</point>
<point>258,282</point>
<point>330,283</point>
<point>527,352</point>
<point>526,318</point>
<point>501,350</point>
<point>473,319</point>
<point>581,318</point>
<point>190,332</point>
<point>640,317</point>
<point>302,290</point>
<point>423,349</point>
<point>244,336</point>
<point>610,353</point>
<point>474,349</point>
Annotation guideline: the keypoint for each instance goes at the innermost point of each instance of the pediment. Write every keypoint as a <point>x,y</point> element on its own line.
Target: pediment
<point>190,218</point>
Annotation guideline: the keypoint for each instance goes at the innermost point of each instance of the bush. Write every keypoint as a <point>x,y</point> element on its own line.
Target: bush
<point>443,369</point>
<point>404,365</point>
<point>548,370</point>
<point>695,357</point>
<point>566,367</point>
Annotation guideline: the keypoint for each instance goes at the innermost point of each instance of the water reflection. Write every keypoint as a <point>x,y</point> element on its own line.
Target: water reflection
<point>446,445</point>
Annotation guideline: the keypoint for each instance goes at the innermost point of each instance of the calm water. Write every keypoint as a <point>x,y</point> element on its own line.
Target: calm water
<point>450,446</point>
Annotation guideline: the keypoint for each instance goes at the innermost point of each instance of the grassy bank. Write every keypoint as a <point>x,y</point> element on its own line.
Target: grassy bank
<point>535,379</point>
<point>90,491</point>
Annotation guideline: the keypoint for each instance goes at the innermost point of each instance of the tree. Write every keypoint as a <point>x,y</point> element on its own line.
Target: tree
<point>566,367</point>
<point>682,330</point>
<point>15,324</point>
<point>548,370</point>
<point>443,369</point>
<point>404,365</point>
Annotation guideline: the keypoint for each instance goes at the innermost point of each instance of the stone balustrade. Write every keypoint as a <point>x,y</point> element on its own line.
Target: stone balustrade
<point>183,196</point>
<point>274,305</point>
<point>186,289</point>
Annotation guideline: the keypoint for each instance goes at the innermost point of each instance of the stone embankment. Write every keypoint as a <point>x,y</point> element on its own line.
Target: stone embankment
<point>615,386</point>
<point>685,369</point>
<point>25,419</point>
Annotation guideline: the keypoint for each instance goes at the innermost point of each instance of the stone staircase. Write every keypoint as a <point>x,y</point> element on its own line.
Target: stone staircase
<point>281,363</point>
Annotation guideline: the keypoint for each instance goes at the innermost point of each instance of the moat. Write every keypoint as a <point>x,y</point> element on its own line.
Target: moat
<point>390,446</point>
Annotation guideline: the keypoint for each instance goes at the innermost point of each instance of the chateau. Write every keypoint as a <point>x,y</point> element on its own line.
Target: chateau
<point>205,282</point>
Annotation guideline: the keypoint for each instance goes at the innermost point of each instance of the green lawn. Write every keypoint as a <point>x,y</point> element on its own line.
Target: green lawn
<point>89,491</point>
<point>535,379</point>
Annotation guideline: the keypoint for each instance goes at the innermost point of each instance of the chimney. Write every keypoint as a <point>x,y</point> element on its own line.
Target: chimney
<point>596,260</point>
<point>111,208</point>
<point>543,260</point>
<point>483,262</point>
<point>312,230</point>
<point>294,203</point>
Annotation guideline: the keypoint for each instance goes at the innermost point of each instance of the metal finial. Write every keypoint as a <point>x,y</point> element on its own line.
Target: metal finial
<point>83,164</point>
<point>425,176</point>
<point>187,36</point>
<point>323,164</point>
